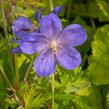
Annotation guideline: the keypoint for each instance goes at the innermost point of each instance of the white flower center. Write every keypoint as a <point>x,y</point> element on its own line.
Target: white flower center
<point>53,45</point>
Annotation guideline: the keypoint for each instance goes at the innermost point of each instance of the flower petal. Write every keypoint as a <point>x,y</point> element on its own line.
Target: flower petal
<point>73,35</point>
<point>69,58</point>
<point>33,42</point>
<point>45,63</point>
<point>14,40</point>
<point>38,15</point>
<point>22,24</point>
<point>50,25</point>
<point>16,50</point>
<point>57,9</point>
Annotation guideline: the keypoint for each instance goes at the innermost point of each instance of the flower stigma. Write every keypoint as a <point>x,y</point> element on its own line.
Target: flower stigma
<point>53,45</point>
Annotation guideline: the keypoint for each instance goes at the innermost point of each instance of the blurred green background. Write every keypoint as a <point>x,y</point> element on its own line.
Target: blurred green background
<point>86,87</point>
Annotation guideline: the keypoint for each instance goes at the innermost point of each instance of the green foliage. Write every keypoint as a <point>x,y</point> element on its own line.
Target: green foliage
<point>86,87</point>
<point>107,100</point>
<point>98,62</point>
<point>98,9</point>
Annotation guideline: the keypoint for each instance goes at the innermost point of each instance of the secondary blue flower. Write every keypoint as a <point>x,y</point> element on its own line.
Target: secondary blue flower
<point>16,50</point>
<point>22,25</point>
<point>38,15</point>
<point>57,9</point>
<point>54,44</point>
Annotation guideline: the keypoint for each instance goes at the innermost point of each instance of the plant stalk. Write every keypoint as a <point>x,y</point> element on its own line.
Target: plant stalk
<point>51,5</point>
<point>4,22</point>
<point>7,40</point>
<point>53,91</point>
<point>15,56</point>
<point>27,72</point>
<point>6,78</point>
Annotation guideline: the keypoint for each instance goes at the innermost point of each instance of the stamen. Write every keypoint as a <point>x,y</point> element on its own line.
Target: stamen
<point>54,45</point>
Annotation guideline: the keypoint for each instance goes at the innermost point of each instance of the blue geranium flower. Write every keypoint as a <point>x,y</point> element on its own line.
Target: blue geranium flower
<point>54,44</point>
<point>21,25</point>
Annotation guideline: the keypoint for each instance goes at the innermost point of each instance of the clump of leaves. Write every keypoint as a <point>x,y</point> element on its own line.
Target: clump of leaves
<point>98,62</point>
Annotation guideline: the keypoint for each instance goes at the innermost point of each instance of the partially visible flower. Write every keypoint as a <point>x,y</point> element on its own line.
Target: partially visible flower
<point>38,15</point>
<point>57,9</point>
<point>16,50</point>
<point>54,44</point>
<point>21,26</point>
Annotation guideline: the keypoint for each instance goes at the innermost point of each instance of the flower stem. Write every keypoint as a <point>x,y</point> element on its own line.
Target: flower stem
<point>17,71</point>
<point>51,5</point>
<point>27,72</point>
<point>6,78</point>
<point>29,67</point>
<point>4,21</point>
<point>6,34</point>
<point>53,91</point>
<point>93,24</point>
<point>69,9</point>
<point>15,56</point>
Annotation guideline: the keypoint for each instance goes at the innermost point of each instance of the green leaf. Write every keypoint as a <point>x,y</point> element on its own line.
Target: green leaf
<point>95,98</point>
<point>99,61</point>
<point>35,98</point>
<point>6,64</point>
<point>98,10</point>
<point>82,102</point>
<point>103,6</point>
<point>107,100</point>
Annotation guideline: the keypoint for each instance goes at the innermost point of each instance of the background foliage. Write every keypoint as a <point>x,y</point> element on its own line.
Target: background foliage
<point>86,87</point>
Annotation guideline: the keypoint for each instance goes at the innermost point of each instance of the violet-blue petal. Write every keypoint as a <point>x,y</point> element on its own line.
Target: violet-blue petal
<point>22,24</point>
<point>50,25</point>
<point>69,58</point>
<point>73,35</point>
<point>57,9</point>
<point>14,40</point>
<point>38,15</point>
<point>34,36</point>
<point>16,50</point>
<point>33,42</point>
<point>45,63</point>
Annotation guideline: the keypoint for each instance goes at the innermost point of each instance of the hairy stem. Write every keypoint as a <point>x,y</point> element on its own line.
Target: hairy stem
<point>17,71</point>
<point>27,72</point>
<point>29,67</point>
<point>53,91</point>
